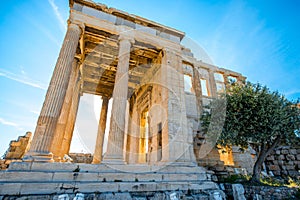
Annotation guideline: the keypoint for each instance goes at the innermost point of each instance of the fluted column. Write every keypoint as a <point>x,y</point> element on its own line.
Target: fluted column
<point>114,154</point>
<point>47,121</point>
<point>97,158</point>
<point>68,134</point>
<point>56,147</point>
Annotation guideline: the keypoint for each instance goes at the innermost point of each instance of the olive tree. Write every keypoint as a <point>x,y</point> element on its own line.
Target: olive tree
<point>256,117</point>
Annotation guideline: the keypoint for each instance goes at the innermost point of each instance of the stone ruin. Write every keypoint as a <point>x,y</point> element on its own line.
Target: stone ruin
<point>157,89</point>
<point>16,151</point>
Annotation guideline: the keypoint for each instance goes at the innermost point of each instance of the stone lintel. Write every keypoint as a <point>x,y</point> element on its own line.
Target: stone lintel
<point>93,22</point>
<point>130,17</point>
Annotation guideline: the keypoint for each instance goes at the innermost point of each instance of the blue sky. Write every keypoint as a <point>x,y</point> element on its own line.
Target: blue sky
<point>260,39</point>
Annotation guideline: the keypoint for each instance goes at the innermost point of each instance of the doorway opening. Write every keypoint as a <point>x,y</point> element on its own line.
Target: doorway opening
<point>144,137</point>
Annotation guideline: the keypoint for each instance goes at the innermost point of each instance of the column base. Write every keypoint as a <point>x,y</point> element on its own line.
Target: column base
<point>113,160</point>
<point>38,157</point>
<point>96,162</point>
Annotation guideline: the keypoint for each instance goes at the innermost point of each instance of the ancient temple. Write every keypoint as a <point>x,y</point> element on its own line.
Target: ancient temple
<point>139,65</point>
<point>157,89</point>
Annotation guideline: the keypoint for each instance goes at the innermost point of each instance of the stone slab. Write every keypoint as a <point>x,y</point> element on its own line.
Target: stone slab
<point>10,188</point>
<point>25,177</point>
<point>17,176</point>
<point>41,188</point>
<point>60,178</point>
<point>64,188</point>
<point>70,167</point>
<point>58,167</point>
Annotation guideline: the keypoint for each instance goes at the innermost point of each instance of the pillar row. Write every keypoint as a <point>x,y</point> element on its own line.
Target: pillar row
<point>40,149</point>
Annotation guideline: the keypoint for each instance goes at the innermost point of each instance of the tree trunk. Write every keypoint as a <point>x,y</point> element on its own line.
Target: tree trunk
<point>257,166</point>
<point>264,152</point>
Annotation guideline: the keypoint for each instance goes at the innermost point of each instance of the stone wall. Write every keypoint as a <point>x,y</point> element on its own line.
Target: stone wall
<point>81,157</point>
<point>2,164</point>
<point>270,193</point>
<point>250,192</point>
<point>244,159</point>
<point>263,192</point>
<point>225,163</point>
<point>167,195</point>
<point>19,147</point>
<point>15,152</point>
<point>284,161</point>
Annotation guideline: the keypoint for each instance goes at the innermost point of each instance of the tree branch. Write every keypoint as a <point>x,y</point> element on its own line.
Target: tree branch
<point>275,143</point>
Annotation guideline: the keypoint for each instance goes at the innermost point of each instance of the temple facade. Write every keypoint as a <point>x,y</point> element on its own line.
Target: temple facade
<point>157,89</point>
<point>156,86</point>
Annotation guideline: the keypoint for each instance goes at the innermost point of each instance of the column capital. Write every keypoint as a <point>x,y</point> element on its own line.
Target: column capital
<point>75,24</point>
<point>126,37</point>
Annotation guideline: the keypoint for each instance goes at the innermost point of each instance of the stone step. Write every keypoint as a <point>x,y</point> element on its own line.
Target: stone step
<point>70,167</point>
<point>156,195</point>
<point>9,176</point>
<point>65,188</point>
<point>59,178</point>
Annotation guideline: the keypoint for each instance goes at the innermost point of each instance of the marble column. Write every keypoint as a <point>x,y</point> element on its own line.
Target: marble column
<point>115,147</point>
<point>40,149</point>
<point>97,158</point>
<point>56,147</point>
<point>68,134</point>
